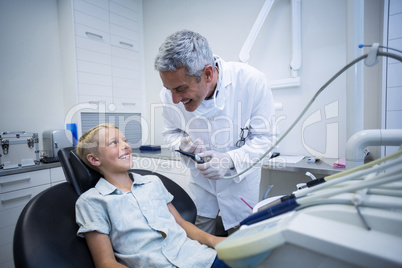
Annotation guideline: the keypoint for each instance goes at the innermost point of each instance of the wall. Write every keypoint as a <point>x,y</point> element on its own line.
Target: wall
<point>226,24</point>
<point>392,93</point>
<point>31,69</point>
<point>373,88</point>
<point>31,93</point>
<point>225,28</point>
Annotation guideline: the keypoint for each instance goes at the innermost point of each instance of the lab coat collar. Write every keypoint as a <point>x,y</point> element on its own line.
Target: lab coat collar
<point>225,77</point>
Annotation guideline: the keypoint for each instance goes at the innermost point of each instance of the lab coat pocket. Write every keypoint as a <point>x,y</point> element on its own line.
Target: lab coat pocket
<point>160,206</point>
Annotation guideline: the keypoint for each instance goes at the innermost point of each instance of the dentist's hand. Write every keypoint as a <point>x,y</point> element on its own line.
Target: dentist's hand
<point>217,166</point>
<point>194,147</point>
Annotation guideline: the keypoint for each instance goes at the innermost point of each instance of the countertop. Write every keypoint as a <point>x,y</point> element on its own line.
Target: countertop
<point>163,154</point>
<point>12,171</point>
<point>323,166</point>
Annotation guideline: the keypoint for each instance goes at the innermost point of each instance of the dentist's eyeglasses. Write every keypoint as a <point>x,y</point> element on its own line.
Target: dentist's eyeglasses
<point>243,136</point>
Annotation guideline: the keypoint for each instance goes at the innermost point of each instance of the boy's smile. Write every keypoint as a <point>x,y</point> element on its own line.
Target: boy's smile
<point>114,152</point>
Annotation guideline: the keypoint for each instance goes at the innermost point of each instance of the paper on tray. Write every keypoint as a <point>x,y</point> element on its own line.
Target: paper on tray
<point>289,159</point>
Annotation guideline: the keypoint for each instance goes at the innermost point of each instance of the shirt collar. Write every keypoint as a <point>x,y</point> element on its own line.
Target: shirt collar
<point>106,188</point>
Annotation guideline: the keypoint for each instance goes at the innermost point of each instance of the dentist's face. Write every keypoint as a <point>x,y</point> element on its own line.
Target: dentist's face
<point>185,89</point>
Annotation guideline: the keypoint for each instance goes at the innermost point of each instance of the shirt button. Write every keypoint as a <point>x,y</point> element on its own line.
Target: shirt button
<point>144,208</point>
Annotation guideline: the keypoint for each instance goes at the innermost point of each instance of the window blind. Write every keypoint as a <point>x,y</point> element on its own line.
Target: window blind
<point>128,123</point>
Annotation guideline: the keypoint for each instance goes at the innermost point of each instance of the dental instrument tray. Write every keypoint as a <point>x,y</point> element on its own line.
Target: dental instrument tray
<point>19,149</point>
<point>150,147</point>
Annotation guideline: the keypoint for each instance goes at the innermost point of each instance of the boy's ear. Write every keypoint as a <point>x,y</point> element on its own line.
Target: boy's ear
<point>93,160</point>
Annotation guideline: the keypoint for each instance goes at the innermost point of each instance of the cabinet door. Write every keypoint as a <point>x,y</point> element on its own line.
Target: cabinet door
<point>124,31</point>
<point>127,94</point>
<point>24,180</point>
<point>93,55</point>
<point>124,26</point>
<point>94,73</point>
<point>98,25</point>
<point>95,8</point>
<point>107,53</point>
<point>11,205</point>
<point>126,61</point>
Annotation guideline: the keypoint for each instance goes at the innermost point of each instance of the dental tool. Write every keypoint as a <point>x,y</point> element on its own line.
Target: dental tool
<point>195,157</point>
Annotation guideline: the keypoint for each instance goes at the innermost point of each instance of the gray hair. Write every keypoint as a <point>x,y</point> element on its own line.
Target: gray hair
<point>184,49</point>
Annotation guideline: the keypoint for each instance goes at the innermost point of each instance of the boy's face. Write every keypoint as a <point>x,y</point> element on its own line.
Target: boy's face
<point>115,155</point>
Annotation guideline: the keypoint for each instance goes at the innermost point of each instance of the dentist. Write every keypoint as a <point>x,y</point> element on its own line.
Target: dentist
<point>221,111</point>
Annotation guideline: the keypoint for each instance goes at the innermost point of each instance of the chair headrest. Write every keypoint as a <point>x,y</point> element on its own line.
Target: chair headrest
<point>85,177</point>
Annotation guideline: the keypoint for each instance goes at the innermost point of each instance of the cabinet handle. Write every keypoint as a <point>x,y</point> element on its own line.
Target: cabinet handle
<point>14,182</point>
<point>126,44</point>
<point>94,35</point>
<point>128,103</point>
<point>7,201</point>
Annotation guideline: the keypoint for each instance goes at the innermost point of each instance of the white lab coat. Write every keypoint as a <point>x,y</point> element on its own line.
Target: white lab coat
<point>247,101</point>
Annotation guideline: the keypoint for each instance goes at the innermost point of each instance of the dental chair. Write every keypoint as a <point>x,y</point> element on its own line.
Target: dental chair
<point>45,234</point>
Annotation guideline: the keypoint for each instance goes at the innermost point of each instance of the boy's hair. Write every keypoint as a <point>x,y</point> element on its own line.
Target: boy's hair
<point>89,143</point>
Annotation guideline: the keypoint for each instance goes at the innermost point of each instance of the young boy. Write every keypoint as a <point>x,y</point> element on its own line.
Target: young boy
<point>128,219</point>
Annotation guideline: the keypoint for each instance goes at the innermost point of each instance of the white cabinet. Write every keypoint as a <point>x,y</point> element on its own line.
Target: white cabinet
<point>15,192</point>
<point>173,169</point>
<point>92,50</point>
<point>105,40</point>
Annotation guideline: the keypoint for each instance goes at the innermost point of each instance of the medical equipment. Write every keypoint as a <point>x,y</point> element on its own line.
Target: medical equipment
<point>346,175</point>
<point>377,52</point>
<point>330,235</point>
<point>397,50</point>
<point>304,200</point>
<point>267,192</point>
<point>195,157</point>
<point>18,149</point>
<point>358,142</point>
<point>348,221</point>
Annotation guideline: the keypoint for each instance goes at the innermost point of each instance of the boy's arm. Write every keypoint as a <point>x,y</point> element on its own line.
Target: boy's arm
<point>101,250</point>
<point>192,231</point>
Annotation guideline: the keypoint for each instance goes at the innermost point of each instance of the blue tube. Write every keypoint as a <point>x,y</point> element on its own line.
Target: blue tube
<point>270,212</point>
<point>73,128</point>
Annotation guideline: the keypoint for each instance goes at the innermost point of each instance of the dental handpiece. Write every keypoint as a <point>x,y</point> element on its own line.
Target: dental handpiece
<point>195,157</point>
